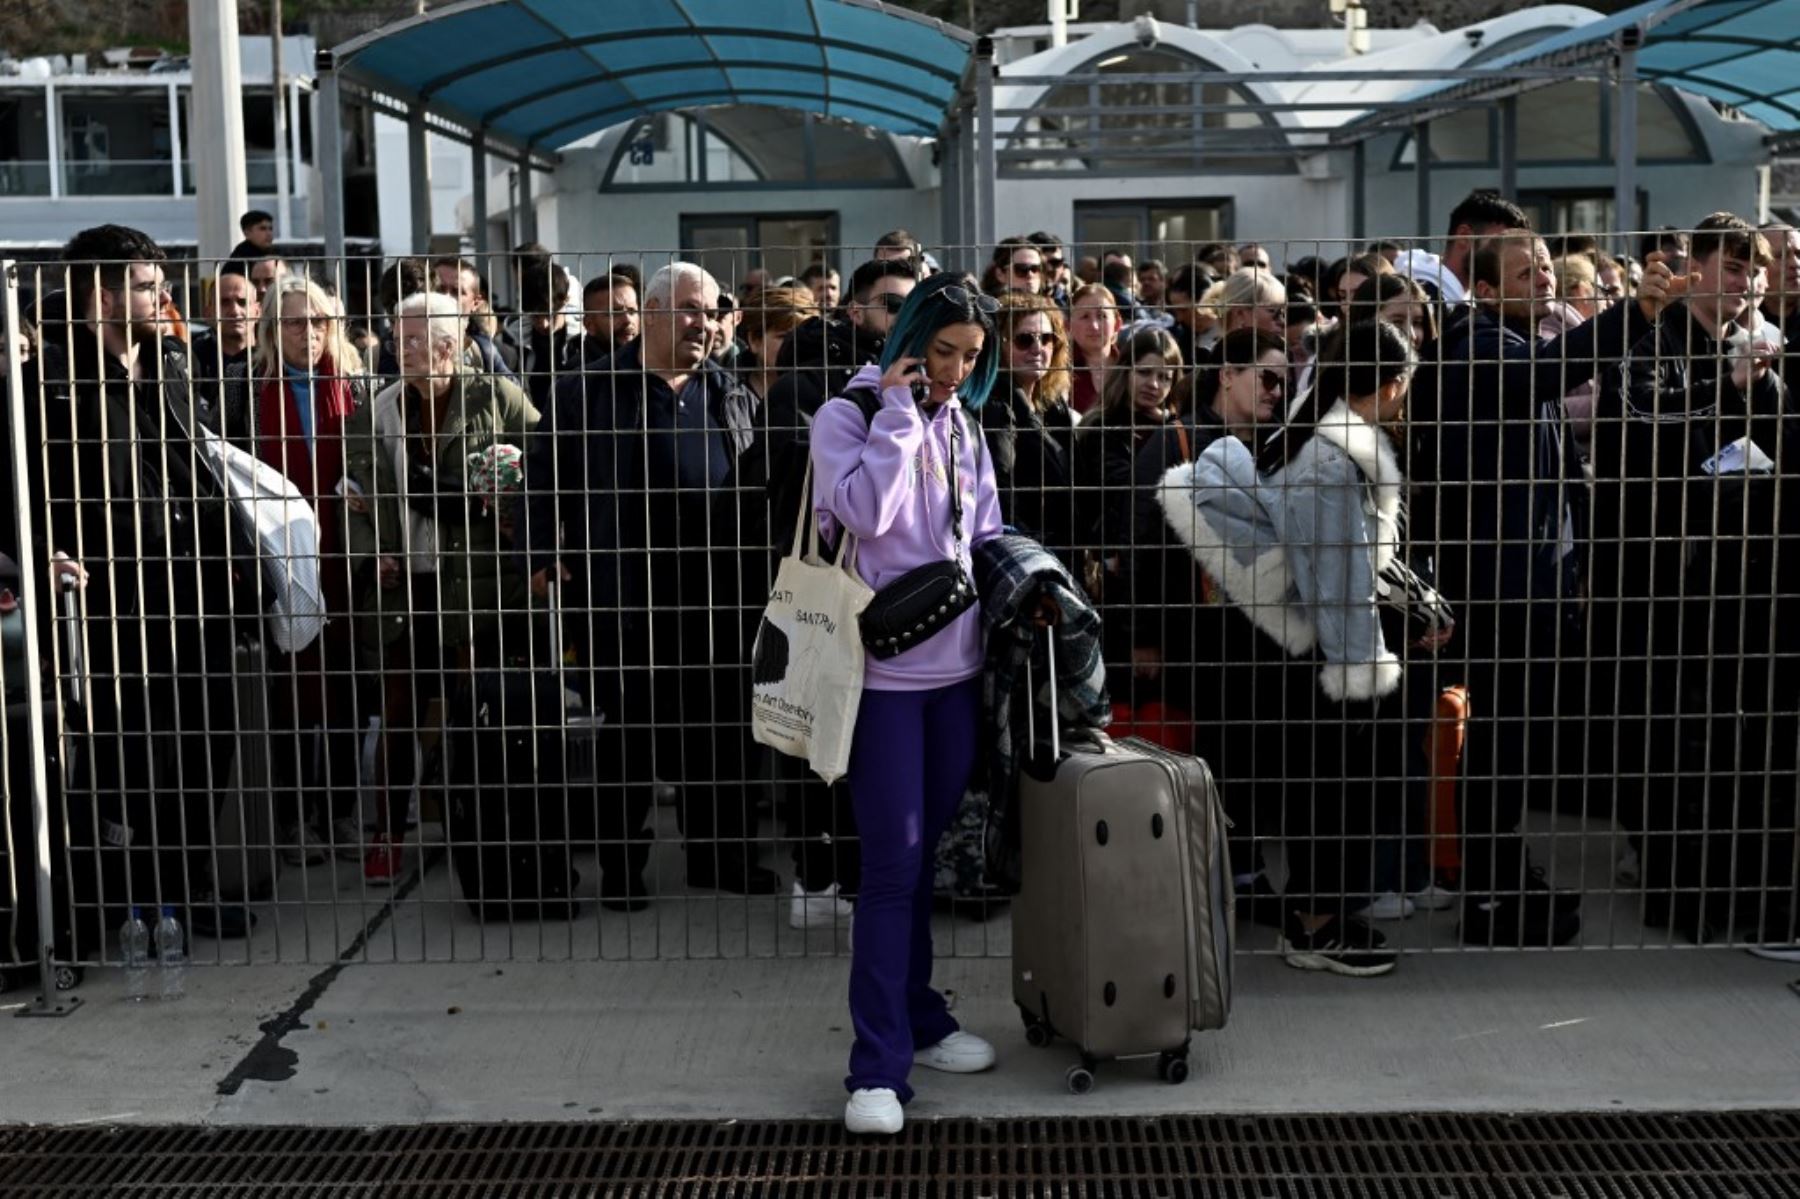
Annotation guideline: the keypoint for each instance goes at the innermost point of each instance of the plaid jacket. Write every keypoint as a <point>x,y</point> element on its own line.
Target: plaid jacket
<point>1013,574</point>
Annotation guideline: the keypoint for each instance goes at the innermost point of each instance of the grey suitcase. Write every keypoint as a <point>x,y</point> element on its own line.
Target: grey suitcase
<point>1124,926</point>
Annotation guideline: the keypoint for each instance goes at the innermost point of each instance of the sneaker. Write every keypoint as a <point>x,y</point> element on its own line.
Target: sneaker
<point>347,835</point>
<point>958,1053</point>
<point>1435,898</point>
<point>817,909</point>
<point>1778,940</point>
<point>1516,924</point>
<point>874,1110</point>
<point>1341,945</point>
<point>1388,905</point>
<point>382,864</point>
<point>300,846</point>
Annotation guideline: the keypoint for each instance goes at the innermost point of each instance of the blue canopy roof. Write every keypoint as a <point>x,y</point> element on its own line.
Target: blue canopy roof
<point>1745,53</point>
<point>544,73</point>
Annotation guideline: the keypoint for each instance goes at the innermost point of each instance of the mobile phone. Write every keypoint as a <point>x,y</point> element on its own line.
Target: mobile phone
<point>921,386</point>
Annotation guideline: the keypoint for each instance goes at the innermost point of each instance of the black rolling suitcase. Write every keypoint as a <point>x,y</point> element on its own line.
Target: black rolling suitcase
<point>19,926</point>
<point>508,824</point>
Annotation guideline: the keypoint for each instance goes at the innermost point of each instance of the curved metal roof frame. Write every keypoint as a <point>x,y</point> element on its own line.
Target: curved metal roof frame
<point>544,73</point>
<point>1743,53</point>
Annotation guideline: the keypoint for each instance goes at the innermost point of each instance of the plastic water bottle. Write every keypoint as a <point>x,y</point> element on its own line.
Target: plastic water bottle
<point>171,956</point>
<point>134,948</point>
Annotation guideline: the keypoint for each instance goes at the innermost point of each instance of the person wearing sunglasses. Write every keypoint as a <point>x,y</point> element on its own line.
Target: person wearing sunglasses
<point>1029,424</point>
<point>1018,266</point>
<point>1202,652</point>
<point>915,485</point>
<point>1298,539</point>
<point>1059,274</point>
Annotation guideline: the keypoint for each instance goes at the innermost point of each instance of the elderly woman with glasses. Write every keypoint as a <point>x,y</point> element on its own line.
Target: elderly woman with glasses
<point>432,469</point>
<point>290,406</point>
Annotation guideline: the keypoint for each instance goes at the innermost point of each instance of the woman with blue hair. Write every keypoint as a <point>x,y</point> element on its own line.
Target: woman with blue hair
<point>915,486</point>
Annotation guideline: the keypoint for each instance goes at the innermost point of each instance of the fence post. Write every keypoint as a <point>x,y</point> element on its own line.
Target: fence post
<point>48,1003</point>
<point>988,167</point>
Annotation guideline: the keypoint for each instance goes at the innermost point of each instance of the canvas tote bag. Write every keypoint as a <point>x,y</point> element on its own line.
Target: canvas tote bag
<point>807,665</point>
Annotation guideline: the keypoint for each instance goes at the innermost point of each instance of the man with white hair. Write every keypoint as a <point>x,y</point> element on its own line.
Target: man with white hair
<point>646,471</point>
<point>432,546</point>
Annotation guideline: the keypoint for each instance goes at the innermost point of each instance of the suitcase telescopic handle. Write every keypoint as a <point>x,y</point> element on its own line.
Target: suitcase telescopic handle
<point>1055,705</point>
<point>71,623</point>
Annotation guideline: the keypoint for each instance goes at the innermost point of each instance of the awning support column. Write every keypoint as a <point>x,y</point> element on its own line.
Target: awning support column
<point>418,173</point>
<point>478,197</point>
<point>1509,147</point>
<point>988,167</point>
<point>1359,200</point>
<point>1422,171</point>
<point>330,152</point>
<point>1625,148</point>
<point>527,206</point>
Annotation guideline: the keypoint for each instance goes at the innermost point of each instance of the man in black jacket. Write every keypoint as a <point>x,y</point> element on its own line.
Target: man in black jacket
<point>632,485</point>
<point>1696,455</point>
<point>230,341</point>
<point>1507,506</point>
<point>126,493</point>
<point>1781,302</point>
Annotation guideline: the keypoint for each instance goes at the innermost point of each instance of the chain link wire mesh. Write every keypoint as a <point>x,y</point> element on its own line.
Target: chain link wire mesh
<point>382,627</point>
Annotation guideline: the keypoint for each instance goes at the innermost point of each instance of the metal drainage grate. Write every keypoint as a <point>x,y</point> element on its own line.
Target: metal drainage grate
<point>1755,1155</point>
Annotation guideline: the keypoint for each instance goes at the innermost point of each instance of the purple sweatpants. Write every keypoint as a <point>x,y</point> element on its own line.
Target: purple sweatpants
<point>909,765</point>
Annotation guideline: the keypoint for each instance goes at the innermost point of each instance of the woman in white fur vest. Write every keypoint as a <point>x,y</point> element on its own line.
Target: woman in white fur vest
<point>1304,539</point>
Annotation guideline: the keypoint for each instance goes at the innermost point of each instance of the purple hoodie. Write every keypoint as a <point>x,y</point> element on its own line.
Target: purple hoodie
<point>866,479</point>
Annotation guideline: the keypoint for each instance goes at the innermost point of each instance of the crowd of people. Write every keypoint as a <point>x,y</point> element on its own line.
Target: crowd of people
<point>1308,499</point>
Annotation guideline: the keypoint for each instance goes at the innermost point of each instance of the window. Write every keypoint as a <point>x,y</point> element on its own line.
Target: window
<point>1577,211</point>
<point>1562,124</point>
<point>751,146</point>
<point>1151,229</point>
<point>1146,128</point>
<point>730,245</point>
<point>116,144</point>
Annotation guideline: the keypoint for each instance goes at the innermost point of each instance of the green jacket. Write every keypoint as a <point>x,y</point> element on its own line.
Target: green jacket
<point>478,575</point>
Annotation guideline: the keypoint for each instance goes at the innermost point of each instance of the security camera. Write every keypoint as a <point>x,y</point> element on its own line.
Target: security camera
<point>1148,31</point>
<point>1475,37</point>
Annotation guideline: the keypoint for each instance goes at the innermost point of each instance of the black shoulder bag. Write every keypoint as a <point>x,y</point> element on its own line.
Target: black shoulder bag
<point>925,600</point>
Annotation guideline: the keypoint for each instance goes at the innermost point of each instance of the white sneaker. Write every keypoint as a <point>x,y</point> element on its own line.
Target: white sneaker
<point>300,846</point>
<point>1435,898</point>
<point>818,909</point>
<point>347,834</point>
<point>1775,953</point>
<point>1388,905</point>
<point>876,1109</point>
<point>958,1053</point>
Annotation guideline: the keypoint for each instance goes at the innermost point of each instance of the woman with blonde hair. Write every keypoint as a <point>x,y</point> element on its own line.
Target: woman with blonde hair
<point>1094,325</point>
<point>769,315</point>
<point>1028,423</point>
<point>1249,299</point>
<point>305,383</point>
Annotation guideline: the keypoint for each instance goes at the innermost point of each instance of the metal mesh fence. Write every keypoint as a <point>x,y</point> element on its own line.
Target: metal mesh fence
<point>363,626</point>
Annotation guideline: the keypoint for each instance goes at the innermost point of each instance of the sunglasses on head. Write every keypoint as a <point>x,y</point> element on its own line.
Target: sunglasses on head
<point>1026,340</point>
<point>958,294</point>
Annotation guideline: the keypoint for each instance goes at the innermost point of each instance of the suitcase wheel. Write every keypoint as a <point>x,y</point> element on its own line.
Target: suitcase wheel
<point>1080,1080</point>
<point>1037,1034</point>
<point>69,977</point>
<point>1172,1067</point>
